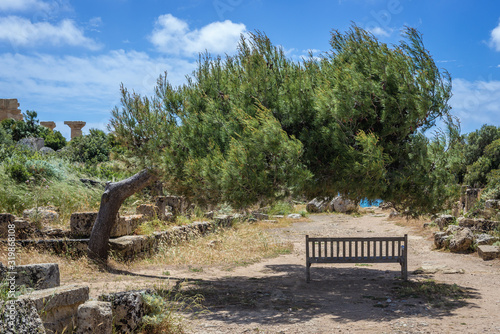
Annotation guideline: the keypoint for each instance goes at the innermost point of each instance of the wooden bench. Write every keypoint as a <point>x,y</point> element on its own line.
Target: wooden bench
<point>357,250</point>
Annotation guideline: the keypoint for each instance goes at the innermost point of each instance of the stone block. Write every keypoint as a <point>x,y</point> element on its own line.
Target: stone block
<point>471,196</point>
<point>294,216</point>
<point>318,205</point>
<point>20,316</point>
<point>443,221</point>
<point>177,204</point>
<point>260,216</point>
<point>58,306</point>
<point>478,224</point>
<point>130,246</point>
<point>128,309</point>
<point>6,219</point>
<point>81,224</point>
<point>42,214</point>
<point>440,239</point>
<point>38,276</point>
<point>485,239</point>
<point>224,220</point>
<point>161,204</point>
<point>461,240</point>
<point>34,144</point>
<point>343,205</point>
<point>149,211</point>
<point>487,252</point>
<point>95,317</point>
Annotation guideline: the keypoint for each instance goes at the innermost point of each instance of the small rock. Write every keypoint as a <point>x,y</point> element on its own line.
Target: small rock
<point>294,216</point>
<point>461,241</point>
<point>95,317</point>
<point>485,239</point>
<point>487,252</point>
<point>443,221</point>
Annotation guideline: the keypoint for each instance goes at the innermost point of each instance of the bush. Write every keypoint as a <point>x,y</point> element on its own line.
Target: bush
<point>93,148</point>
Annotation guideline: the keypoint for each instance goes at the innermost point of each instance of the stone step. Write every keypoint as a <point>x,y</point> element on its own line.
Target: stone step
<point>58,306</point>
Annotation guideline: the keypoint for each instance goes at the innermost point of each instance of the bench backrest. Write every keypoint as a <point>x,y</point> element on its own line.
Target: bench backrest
<point>355,250</point>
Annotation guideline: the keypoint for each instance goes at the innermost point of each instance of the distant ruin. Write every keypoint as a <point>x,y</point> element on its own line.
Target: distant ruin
<point>9,108</point>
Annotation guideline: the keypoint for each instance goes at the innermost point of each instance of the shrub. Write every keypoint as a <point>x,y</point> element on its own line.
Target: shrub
<point>93,148</point>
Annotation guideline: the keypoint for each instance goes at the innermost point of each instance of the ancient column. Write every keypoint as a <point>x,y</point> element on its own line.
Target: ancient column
<point>9,109</point>
<point>51,125</point>
<point>76,127</point>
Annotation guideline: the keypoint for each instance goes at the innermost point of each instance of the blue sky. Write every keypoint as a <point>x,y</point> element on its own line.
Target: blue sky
<point>66,59</point>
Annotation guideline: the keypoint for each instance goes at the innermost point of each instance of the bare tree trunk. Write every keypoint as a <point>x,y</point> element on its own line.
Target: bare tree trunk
<point>112,199</point>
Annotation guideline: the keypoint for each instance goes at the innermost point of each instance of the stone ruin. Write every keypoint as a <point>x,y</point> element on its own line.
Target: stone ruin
<point>76,127</point>
<point>9,108</point>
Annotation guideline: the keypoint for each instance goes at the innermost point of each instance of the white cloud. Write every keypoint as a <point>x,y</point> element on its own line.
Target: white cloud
<point>476,103</point>
<point>379,31</point>
<point>173,36</point>
<point>83,88</point>
<point>20,31</point>
<point>495,38</point>
<point>23,5</point>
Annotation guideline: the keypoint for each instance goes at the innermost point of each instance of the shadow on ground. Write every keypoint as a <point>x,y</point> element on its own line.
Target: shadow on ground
<point>345,294</point>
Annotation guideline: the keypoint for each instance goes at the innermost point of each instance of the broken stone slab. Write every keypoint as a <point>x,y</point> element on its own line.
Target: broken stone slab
<point>461,241</point>
<point>478,224</point>
<point>95,317</point>
<point>488,252</point>
<point>485,239</point>
<point>75,247</point>
<point>20,316</point>
<point>440,240</point>
<point>128,309</point>
<point>10,224</point>
<point>38,276</point>
<point>318,205</point>
<point>294,216</point>
<point>443,221</point>
<point>177,204</point>
<point>58,306</point>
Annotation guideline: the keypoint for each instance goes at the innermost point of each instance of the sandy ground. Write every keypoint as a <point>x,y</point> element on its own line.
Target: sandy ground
<point>272,296</point>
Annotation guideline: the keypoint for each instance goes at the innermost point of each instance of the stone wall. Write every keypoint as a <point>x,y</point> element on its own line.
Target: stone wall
<point>9,109</point>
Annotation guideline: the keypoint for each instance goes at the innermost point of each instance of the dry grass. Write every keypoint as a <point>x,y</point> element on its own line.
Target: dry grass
<point>241,245</point>
<point>74,269</point>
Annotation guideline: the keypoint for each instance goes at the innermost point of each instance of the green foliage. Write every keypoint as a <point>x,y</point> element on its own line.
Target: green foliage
<point>53,139</point>
<point>280,208</point>
<point>258,126</point>
<point>92,148</point>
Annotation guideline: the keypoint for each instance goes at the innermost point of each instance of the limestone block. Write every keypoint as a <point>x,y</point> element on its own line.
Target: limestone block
<point>38,276</point>
<point>46,150</point>
<point>443,221</point>
<point>485,239</point>
<point>161,204</point>
<point>31,143</point>
<point>129,246</point>
<point>343,205</point>
<point>177,204</point>
<point>9,108</point>
<point>128,309</point>
<point>58,306</point>
<point>95,317</point>
<point>317,205</point>
<point>20,316</point>
<point>461,241</point>
<point>440,239</point>
<point>478,224</point>
<point>487,252</point>
<point>294,216</point>
<point>147,210</point>
<point>44,214</point>
<point>224,220</point>
<point>471,196</point>
<point>81,223</point>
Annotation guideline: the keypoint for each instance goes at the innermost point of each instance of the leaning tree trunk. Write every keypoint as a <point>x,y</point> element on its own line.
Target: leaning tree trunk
<point>112,199</point>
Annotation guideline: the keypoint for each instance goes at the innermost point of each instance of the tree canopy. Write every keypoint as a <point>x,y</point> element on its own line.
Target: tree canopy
<point>257,126</point>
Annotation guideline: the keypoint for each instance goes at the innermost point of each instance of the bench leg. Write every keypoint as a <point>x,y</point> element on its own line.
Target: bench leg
<point>404,270</point>
<point>308,272</point>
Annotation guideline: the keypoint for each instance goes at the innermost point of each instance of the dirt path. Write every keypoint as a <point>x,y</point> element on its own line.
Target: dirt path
<point>273,297</point>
